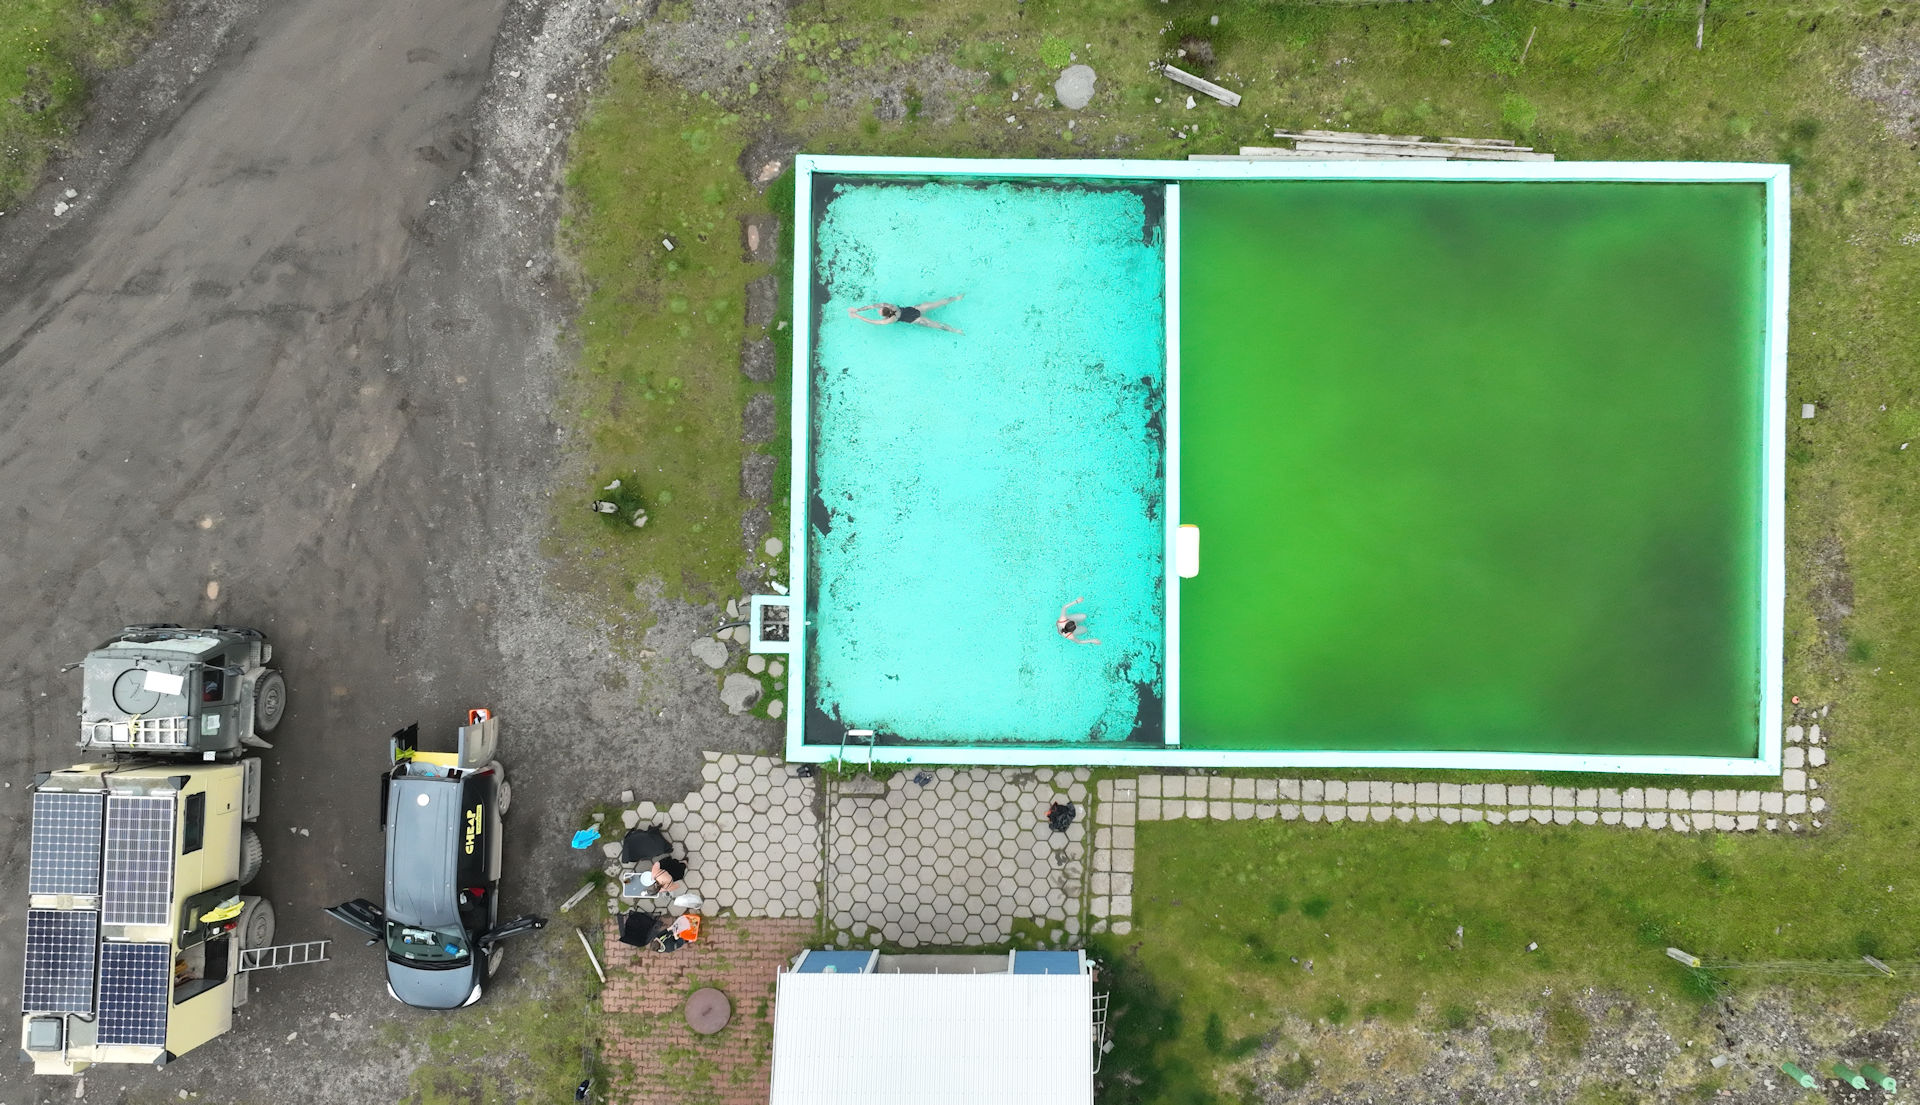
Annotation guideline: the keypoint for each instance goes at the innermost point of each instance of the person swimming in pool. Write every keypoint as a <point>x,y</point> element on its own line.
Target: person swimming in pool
<point>916,314</point>
<point>1070,625</point>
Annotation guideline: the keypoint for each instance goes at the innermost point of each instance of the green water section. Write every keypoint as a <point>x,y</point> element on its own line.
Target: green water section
<point>1476,466</point>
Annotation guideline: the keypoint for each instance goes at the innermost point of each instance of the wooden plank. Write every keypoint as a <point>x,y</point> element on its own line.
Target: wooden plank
<point>1361,136</point>
<point>1428,153</point>
<point>1357,134</point>
<point>1290,155</point>
<point>1181,76</point>
<point>1415,145</point>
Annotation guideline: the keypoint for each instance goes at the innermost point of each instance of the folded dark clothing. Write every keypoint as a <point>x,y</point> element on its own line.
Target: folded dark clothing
<point>644,845</point>
<point>638,927</point>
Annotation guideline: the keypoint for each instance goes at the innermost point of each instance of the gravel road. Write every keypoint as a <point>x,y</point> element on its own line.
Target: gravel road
<point>289,361</point>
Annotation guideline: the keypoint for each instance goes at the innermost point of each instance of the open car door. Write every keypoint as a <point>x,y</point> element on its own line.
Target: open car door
<point>363,915</point>
<point>479,739</point>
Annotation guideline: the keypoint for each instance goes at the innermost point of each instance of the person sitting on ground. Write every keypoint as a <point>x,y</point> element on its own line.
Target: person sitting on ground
<point>684,930</point>
<point>916,314</point>
<point>1071,625</point>
<point>663,879</point>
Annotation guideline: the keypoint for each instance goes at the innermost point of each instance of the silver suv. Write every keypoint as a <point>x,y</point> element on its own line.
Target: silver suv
<point>442,813</point>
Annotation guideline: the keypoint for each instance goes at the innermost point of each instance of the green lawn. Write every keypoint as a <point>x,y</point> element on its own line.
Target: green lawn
<point>48,51</point>
<point>1208,1000</point>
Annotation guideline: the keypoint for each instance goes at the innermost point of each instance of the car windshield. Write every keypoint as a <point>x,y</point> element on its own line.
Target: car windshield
<point>426,947</point>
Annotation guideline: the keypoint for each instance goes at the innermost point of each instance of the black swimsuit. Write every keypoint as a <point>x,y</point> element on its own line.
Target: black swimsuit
<point>908,314</point>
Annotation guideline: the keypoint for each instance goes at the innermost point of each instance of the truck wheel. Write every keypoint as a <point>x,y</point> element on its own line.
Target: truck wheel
<point>252,855</point>
<point>269,701</point>
<point>259,932</point>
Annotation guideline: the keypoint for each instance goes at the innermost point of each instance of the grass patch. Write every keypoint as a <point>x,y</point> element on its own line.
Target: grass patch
<point>1229,914</point>
<point>531,1042</point>
<point>659,390</point>
<point>49,51</point>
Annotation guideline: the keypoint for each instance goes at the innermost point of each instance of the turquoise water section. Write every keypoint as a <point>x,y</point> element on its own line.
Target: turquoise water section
<point>963,487</point>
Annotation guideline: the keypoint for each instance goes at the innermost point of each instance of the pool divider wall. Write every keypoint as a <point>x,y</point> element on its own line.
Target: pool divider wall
<point>1170,443</point>
<point>1770,723</point>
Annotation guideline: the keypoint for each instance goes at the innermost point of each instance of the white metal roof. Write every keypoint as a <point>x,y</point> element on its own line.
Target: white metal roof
<point>925,1039</point>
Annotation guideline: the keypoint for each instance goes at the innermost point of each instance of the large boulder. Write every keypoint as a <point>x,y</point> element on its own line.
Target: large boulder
<point>1074,89</point>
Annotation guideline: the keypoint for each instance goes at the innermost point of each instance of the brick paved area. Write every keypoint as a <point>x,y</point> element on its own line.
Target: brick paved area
<point>654,1056</point>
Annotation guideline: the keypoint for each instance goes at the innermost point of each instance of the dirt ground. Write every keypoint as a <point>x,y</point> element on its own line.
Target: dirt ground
<point>299,337</point>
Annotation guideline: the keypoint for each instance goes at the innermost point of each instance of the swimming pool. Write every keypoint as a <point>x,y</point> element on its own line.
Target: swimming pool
<point>1484,461</point>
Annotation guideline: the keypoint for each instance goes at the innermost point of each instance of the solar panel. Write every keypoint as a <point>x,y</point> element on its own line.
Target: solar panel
<point>61,945</point>
<point>138,872</point>
<point>135,980</point>
<point>65,857</point>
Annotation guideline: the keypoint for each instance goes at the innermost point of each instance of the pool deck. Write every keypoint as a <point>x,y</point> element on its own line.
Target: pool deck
<point>1767,759</point>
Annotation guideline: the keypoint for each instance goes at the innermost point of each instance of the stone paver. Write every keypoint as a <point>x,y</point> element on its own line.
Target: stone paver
<point>958,859</point>
<point>1729,809</point>
<point>750,836</point>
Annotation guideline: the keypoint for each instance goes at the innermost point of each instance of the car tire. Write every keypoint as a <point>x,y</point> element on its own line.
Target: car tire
<point>259,932</point>
<point>269,702</point>
<point>253,855</point>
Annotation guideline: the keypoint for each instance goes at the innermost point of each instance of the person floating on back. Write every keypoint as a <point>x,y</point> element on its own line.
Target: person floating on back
<point>1070,625</point>
<point>917,315</point>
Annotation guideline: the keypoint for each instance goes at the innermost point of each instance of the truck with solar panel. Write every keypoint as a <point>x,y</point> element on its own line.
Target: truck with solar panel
<point>442,813</point>
<point>140,932</point>
<point>165,690</point>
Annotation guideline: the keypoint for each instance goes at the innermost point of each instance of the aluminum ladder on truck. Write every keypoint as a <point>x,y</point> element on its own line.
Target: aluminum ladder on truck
<point>284,955</point>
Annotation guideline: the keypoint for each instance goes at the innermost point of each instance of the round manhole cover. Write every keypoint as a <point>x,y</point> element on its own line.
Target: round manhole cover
<point>708,1011</point>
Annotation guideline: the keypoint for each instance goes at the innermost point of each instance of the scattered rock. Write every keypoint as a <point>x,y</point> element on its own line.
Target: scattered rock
<point>777,668</point>
<point>1075,86</point>
<point>775,546</point>
<point>756,359</point>
<point>756,477</point>
<point>763,294</point>
<point>758,420</point>
<point>776,708</point>
<point>739,691</point>
<point>709,651</point>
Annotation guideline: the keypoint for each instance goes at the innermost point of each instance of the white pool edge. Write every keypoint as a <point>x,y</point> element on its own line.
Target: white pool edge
<point>1773,490</point>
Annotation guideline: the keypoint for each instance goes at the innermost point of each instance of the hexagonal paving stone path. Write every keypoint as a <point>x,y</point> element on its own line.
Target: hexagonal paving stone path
<point>751,837</point>
<point>953,856</point>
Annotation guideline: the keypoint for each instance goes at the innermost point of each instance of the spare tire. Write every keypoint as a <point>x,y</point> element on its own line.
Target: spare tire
<point>269,702</point>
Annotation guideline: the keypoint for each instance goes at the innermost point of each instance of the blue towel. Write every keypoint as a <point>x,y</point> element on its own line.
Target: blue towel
<point>585,837</point>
